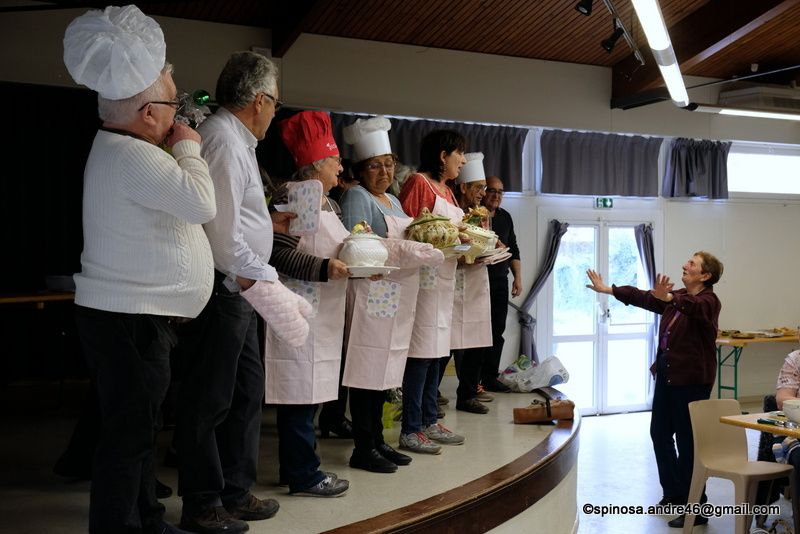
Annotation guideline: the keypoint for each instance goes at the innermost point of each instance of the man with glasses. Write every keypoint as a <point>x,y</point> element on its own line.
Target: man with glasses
<point>146,262</point>
<point>219,407</point>
<point>503,226</point>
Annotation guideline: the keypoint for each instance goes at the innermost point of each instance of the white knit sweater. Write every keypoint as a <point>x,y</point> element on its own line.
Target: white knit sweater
<point>145,250</point>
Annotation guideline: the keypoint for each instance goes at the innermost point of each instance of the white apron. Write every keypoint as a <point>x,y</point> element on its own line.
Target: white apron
<point>380,316</point>
<point>472,309</point>
<point>310,374</point>
<point>430,337</point>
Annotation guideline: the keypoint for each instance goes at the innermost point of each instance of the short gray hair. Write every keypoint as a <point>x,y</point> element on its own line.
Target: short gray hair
<point>306,172</point>
<point>244,76</point>
<point>124,111</point>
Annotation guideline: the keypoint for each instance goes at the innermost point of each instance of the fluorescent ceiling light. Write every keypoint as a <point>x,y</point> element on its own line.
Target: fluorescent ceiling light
<point>674,81</point>
<point>744,112</point>
<point>658,38</point>
<point>652,23</point>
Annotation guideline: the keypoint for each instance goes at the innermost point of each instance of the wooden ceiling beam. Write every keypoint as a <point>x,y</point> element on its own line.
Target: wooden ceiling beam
<point>696,38</point>
<point>290,20</point>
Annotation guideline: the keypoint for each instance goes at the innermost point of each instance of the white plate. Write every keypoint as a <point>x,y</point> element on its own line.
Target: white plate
<point>493,252</point>
<point>367,271</point>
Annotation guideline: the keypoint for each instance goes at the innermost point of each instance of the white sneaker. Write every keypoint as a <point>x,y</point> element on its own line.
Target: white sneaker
<point>419,442</point>
<point>440,434</point>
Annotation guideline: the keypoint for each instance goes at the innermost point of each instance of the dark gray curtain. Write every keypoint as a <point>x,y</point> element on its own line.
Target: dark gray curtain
<point>580,163</point>
<point>527,345</point>
<point>501,145</point>
<point>644,242</point>
<point>696,169</point>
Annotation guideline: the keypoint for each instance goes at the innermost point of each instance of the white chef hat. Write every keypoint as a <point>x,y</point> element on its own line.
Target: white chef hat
<point>118,52</point>
<point>472,171</point>
<point>369,137</point>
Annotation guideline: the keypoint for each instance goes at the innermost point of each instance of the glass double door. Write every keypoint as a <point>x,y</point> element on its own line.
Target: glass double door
<point>604,345</point>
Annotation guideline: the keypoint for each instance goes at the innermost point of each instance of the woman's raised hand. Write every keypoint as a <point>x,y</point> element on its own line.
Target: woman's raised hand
<point>597,283</point>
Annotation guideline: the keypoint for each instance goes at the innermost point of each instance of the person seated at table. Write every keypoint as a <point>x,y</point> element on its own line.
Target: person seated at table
<point>788,387</point>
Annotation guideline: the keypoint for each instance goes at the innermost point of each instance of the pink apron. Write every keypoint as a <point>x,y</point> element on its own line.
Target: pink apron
<point>472,309</point>
<point>310,374</point>
<point>430,337</point>
<point>380,319</point>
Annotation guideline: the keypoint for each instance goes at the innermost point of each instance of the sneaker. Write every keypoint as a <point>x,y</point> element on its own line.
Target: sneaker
<point>393,456</point>
<point>483,396</point>
<point>419,442</point>
<point>327,487</point>
<point>442,400</point>
<point>472,406</point>
<point>166,528</point>
<point>251,508</point>
<point>440,434</point>
<point>213,520</point>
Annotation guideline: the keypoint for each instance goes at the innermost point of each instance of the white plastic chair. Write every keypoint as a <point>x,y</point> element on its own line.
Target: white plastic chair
<point>720,450</point>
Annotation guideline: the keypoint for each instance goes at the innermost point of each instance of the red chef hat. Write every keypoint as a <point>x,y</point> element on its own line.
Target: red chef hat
<point>309,137</point>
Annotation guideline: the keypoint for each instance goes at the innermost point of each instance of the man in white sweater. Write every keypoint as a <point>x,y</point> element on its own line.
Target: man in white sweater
<point>219,407</point>
<point>146,261</point>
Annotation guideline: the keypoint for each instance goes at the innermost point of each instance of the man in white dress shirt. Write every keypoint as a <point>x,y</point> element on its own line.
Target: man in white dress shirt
<point>219,408</point>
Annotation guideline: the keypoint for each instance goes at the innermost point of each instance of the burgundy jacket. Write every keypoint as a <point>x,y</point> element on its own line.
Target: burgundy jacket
<point>691,348</point>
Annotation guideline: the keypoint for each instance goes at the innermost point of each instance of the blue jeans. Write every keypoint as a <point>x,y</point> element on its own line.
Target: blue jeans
<point>299,463</point>
<point>420,383</point>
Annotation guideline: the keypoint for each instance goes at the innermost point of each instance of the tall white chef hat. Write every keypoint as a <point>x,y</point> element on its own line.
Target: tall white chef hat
<point>472,171</point>
<point>119,52</point>
<point>369,137</point>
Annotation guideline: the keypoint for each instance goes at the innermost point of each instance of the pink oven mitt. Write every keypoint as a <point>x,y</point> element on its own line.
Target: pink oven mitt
<point>408,254</point>
<point>284,311</point>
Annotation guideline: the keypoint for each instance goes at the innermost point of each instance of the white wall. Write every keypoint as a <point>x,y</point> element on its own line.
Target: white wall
<point>755,240</point>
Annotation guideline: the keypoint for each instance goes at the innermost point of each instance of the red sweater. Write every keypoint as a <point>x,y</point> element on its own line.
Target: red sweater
<point>417,193</point>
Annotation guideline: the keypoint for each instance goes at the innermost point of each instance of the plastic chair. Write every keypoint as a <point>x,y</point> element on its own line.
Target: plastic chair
<point>720,450</point>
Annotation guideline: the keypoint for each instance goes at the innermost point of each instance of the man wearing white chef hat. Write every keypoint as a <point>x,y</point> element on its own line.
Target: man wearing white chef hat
<point>146,261</point>
<point>471,182</point>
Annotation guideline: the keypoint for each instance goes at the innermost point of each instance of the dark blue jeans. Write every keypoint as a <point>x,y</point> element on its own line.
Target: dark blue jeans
<point>670,417</point>
<point>128,358</point>
<point>297,443</point>
<point>420,384</point>
<point>218,425</point>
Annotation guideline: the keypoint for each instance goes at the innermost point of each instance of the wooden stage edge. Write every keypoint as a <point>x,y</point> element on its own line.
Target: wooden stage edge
<point>490,500</point>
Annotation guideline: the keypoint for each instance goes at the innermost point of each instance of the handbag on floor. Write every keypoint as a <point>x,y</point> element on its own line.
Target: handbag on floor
<point>548,404</point>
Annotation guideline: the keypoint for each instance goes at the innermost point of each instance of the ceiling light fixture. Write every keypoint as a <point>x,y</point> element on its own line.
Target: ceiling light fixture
<point>658,38</point>
<point>609,44</point>
<point>584,7</point>
<point>618,25</point>
<point>743,112</point>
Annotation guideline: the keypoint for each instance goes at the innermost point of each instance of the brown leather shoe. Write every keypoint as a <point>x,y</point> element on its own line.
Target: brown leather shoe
<point>253,509</point>
<point>215,520</point>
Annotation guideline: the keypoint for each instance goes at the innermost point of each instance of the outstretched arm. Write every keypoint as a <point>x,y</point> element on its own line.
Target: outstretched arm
<point>597,283</point>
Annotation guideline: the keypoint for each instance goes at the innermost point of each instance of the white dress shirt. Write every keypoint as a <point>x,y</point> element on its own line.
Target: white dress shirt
<point>241,233</point>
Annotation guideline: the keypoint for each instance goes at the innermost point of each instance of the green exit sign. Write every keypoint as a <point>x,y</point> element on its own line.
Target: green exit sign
<point>605,203</point>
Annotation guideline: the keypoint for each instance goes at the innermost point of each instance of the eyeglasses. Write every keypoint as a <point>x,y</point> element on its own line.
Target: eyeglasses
<point>477,187</point>
<point>178,103</point>
<point>278,103</point>
<point>490,190</point>
<point>376,166</point>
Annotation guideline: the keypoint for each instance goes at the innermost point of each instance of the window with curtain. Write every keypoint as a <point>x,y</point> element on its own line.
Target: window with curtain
<point>586,163</point>
<point>501,145</point>
<point>696,169</point>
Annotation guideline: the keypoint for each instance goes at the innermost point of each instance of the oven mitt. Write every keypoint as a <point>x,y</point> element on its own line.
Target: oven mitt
<point>284,311</point>
<point>408,254</point>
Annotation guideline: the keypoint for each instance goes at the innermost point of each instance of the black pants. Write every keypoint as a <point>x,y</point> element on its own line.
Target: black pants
<point>498,294</point>
<point>128,358</point>
<point>334,411</point>
<point>366,409</point>
<point>670,417</point>
<point>218,425</point>
<point>469,374</point>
